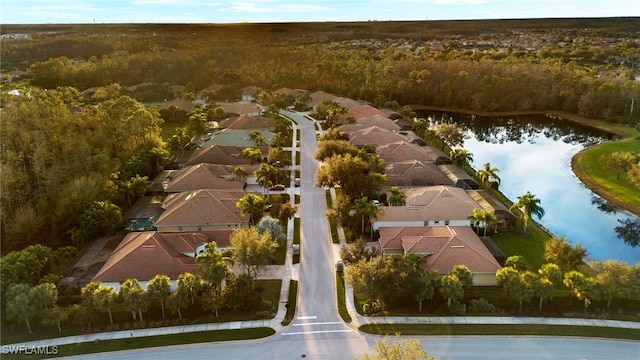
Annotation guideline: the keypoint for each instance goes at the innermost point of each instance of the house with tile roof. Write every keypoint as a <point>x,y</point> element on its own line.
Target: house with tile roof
<point>247,122</point>
<point>201,210</point>
<point>375,136</point>
<point>235,137</point>
<point>143,255</point>
<point>402,150</point>
<point>360,111</point>
<point>223,154</point>
<point>429,206</point>
<point>414,173</point>
<point>241,108</point>
<point>202,176</point>
<point>444,248</point>
<point>248,93</point>
<point>320,96</point>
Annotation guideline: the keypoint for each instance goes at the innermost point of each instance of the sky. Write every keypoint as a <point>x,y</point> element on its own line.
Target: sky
<point>216,11</point>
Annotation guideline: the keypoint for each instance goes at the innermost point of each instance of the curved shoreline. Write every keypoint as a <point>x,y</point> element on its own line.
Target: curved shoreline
<point>580,172</point>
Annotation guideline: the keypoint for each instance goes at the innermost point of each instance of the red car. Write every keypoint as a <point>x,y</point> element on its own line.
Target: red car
<point>277,187</point>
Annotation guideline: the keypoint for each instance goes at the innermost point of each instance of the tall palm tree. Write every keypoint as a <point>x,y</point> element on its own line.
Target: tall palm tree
<point>489,176</point>
<point>366,209</point>
<point>253,205</point>
<point>529,205</point>
<point>240,173</point>
<point>482,218</point>
<point>461,157</point>
<point>263,175</point>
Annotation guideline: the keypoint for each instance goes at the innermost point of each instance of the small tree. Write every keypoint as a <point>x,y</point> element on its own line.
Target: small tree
<point>134,297</point>
<point>619,162</point>
<point>103,299</point>
<point>614,278</point>
<point>19,305</point>
<point>451,288</point>
<point>252,250</point>
<point>190,285</point>
<point>463,274</point>
<point>177,301</point>
<point>572,279</point>
<point>586,290</point>
<point>158,290</point>
<point>272,226</point>
<point>402,349</point>
<point>53,316</point>
<point>449,134</point>
<point>558,251</point>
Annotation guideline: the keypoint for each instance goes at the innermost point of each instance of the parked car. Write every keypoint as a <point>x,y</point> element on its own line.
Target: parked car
<point>339,266</point>
<point>277,187</point>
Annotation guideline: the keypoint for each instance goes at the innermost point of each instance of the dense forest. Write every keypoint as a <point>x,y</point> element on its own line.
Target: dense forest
<point>86,144</point>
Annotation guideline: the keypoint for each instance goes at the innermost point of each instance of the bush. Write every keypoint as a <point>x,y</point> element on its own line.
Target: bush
<point>456,308</point>
<point>263,314</point>
<point>481,305</point>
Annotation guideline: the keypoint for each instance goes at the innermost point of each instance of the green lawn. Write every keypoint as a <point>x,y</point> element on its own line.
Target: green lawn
<point>342,304</point>
<point>530,245</point>
<point>507,330</point>
<point>154,341</point>
<point>291,302</point>
<point>588,168</point>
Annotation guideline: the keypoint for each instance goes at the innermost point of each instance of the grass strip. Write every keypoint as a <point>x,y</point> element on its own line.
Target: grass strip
<point>500,329</point>
<point>342,302</point>
<point>153,341</point>
<point>292,302</point>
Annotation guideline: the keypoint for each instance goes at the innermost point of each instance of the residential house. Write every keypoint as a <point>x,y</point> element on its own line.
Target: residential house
<point>414,173</point>
<point>246,122</point>
<point>375,120</point>
<point>201,210</point>
<point>223,154</point>
<point>320,96</point>
<point>374,135</point>
<point>402,150</point>
<point>429,206</point>
<point>361,111</point>
<point>241,108</point>
<point>444,247</point>
<point>248,93</point>
<point>235,137</point>
<point>202,176</point>
<point>143,255</point>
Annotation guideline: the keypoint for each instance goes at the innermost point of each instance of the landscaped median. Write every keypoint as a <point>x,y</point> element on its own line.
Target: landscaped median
<point>100,346</point>
<point>501,329</point>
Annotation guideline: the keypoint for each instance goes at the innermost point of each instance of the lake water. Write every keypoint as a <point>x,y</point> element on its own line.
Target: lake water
<point>533,153</point>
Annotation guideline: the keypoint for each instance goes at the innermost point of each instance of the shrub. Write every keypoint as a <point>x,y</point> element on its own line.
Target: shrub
<point>481,305</point>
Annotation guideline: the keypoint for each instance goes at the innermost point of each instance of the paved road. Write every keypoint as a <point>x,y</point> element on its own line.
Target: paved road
<point>316,318</point>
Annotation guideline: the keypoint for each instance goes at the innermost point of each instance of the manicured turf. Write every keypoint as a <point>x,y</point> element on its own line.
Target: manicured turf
<point>154,341</point>
<point>530,245</point>
<point>342,304</point>
<point>502,329</point>
<point>589,169</point>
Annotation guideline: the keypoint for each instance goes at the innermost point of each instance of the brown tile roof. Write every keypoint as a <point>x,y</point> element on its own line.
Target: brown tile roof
<point>361,111</point>
<point>284,91</point>
<point>202,207</point>
<point>247,121</point>
<point>374,135</point>
<point>401,150</point>
<point>414,173</point>
<point>182,104</point>
<point>431,203</point>
<point>241,108</point>
<point>143,255</point>
<point>347,103</point>
<point>320,96</point>
<point>445,247</point>
<point>221,154</point>
<point>202,176</point>
<point>379,121</point>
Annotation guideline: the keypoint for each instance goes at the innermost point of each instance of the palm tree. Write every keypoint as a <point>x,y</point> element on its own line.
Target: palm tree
<point>482,218</point>
<point>529,205</point>
<point>461,157</point>
<point>263,175</point>
<point>397,196</point>
<point>489,176</point>
<point>253,205</point>
<point>366,209</point>
<point>240,173</point>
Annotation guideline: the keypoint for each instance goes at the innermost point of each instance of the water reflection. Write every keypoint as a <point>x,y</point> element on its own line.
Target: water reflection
<point>533,153</point>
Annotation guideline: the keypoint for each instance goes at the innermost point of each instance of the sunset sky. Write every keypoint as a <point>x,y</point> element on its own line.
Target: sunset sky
<point>214,11</point>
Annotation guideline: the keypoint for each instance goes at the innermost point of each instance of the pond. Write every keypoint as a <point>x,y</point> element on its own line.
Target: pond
<point>533,153</point>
